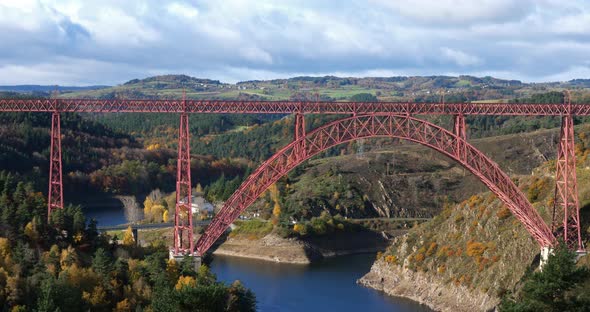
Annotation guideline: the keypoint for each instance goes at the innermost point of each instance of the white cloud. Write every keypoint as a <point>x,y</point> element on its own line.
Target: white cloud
<point>235,39</point>
<point>459,11</point>
<point>112,26</point>
<point>569,73</point>
<point>572,24</point>
<point>459,57</point>
<point>256,55</point>
<point>66,71</point>
<point>182,10</point>
<point>21,15</point>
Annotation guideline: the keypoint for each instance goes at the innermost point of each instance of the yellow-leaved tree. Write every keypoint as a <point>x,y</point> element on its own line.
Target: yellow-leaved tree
<point>123,306</point>
<point>51,259</point>
<point>165,217</point>
<point>31,231</point>
<point>97,299</point>
<point>274,196</point>
<point>276,210</point>
<point>68,257</point>
<point>5,258</point>
<point>147,208</point>
<point>185,281</point>
<point>128,238</point>
<point>157,212</point>
<point>4,247</point>
<point>274,192</point>
<point>172,270</point>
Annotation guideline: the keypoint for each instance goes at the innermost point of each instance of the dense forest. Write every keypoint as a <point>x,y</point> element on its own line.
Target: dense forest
<point>66,265</point>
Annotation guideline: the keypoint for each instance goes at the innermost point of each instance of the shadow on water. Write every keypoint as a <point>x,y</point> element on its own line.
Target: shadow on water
<point>328,285</point>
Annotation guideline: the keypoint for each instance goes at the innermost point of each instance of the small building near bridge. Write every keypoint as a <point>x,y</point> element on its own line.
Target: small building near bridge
<point>200,206</point>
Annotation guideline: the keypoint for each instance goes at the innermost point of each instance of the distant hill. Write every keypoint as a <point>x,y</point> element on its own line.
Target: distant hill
<point>173,81</point>
<point>331,88</point>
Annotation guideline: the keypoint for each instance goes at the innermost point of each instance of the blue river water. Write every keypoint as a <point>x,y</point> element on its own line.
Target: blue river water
<point>106,216</point>
<point>329,285</point>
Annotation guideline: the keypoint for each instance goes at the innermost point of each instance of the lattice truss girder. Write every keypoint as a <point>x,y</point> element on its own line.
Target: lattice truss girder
<point>183,217</point>
<point>55,195</point>
<point>287,107</point>
<point>566,213</point>
<point>378,125</point>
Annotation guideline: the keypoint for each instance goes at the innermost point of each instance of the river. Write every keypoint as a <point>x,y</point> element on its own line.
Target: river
<point>329,285</point>
<point>106,216</point>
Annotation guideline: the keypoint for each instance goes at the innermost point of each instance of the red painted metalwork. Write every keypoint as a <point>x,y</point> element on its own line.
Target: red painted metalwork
<point>378,125</point>
<point>459,126</point>
<point>183,218</point>
<point>460,130</point>
<point>55,196</point>
<point>299,126</point>
<point>299,133</point>
<point>287,107</point>
<point>566,208</point>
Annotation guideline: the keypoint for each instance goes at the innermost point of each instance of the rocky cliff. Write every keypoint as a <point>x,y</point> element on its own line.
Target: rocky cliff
<point>470,255</point>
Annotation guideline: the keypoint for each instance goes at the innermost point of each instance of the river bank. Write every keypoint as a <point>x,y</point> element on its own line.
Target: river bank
<point>426,289</point>
<point>302,251</point>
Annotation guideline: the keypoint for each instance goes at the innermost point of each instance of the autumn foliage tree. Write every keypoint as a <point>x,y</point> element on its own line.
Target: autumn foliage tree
<point>128,239</point>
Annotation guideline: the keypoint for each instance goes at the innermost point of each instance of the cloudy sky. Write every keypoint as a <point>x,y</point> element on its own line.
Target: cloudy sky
<point>83,42</point>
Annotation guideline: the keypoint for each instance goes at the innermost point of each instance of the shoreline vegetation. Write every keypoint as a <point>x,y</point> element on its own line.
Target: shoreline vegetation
<point>269,246</point>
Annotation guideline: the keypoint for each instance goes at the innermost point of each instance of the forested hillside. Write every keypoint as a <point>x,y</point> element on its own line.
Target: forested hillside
<point>65,265</point>
<point>97,159</point>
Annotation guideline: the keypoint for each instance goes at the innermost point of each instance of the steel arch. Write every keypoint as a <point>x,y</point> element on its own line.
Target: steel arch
<point>378,125</point>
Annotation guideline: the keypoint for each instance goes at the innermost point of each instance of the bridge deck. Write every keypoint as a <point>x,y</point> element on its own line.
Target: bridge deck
<point>288,107</point>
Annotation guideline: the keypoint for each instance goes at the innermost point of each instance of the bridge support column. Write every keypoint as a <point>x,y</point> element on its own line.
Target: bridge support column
<point>460,130</point>
<point>566,209</point>
<point>183,216</point>
<point>55,194</point>
<point>545,252</point>
<point>300,134</point>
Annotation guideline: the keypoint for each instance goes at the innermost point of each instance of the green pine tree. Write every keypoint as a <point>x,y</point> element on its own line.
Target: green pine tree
<point>46,301</point>
<point>553,288</point>
<point>101,262</point>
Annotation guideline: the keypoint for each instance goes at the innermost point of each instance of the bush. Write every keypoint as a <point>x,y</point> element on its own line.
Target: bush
<point>391,259</point>
<point>431,249</point>
<point>536,189</point>
<point>503,213</point>
<point>253,228</point>
<point>419,257</point>
<point>319,226</point>
<point>475,249</point>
